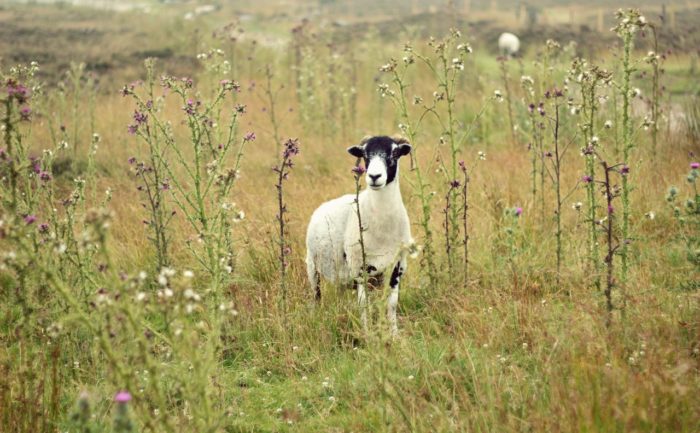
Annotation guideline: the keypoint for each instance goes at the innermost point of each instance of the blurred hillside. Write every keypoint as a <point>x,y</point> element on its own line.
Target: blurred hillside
<point>114,37</point>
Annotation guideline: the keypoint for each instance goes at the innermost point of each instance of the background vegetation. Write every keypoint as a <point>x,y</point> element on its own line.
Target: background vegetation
<point>144,283</point>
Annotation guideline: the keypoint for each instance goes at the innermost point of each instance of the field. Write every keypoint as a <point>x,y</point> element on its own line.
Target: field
<point>160,162</point>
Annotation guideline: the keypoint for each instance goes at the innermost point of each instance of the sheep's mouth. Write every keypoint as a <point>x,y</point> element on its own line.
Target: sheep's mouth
<point>376,186</point>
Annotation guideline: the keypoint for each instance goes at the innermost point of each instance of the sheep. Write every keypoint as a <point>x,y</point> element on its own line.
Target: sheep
<point>508,44</point>
<point>333,235</point>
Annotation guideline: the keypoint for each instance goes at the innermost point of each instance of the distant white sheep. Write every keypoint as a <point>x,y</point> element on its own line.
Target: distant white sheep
<point>508,44</point>
<point>333,236</point>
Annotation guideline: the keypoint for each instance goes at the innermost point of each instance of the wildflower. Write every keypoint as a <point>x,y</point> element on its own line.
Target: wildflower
<point>43,228</point>
<point>594,140</point>
<point>417,100</point>
<point>466,48</point>
<point>30,219</point>
<point>358,170</point>
<point>481,155</point>
<point>636,92</point>
<point>650,215</point>
<point>577,206</point>
<point>624,170</point>
<point>25,113</point>
<point>331,399</point>
<point>608,124</point>
<point>587,179</point>
<point>611,210</point>
<point>527,80</point>
<point>45,176</point>
<point>240,216</point>
<point>694,165</point>
<point>454,184</point>
<point>191,107</point>
<point>250,136</point>
<point>672,193</point>
<point>122,397</point>
<point>518,211</point>
<point>458,64</point>
<point>17,91</point>
<point>498,96</point>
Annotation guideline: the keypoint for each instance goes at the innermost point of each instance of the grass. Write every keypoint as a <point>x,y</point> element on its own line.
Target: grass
<point>511,352</point>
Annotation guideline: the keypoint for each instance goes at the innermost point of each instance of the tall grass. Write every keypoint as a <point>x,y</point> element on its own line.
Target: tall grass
<point>151,306</point>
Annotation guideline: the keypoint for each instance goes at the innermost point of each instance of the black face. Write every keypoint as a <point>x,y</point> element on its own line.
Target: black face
<point>384,148</point>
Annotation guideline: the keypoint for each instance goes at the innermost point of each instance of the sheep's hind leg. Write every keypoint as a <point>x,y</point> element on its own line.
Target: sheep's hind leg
<point>314,279</point>
<point>393,301</point>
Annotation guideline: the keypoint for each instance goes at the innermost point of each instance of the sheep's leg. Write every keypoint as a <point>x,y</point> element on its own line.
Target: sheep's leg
<point>393,301</point>
<point>314,279</point>
<point>362,301</point>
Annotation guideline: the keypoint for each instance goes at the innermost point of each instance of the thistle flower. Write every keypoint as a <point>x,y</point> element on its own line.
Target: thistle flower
<point>30,219</point>
<point>25,113</point>
<point>250,136</point>
<point>587,179</point>
<point>358,170</point>
<point>122,397</point>
<point>694,165</point>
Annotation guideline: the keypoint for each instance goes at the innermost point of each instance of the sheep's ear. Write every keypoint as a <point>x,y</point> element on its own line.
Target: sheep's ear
<point>357,151</point>
<point>402,149</point>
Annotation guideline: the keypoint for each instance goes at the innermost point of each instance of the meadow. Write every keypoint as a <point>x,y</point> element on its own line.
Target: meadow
<point>158,172</point>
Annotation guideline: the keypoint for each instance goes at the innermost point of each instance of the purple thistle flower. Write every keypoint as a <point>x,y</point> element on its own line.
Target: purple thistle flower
<point>695,165</point>
<point>45,176</point>
<point>518,211</point>
<point>25,113</point>
<point>132,129</point>
<point>30,219</point>
<point>624,170</point>
<point>17,91</point>
<point>291,148</point>
<point>140,118</point>
<point>122,397</point>
<point>610,210</point>
<point>191,107</point>
<point>132,160</point>
<point>43,228</point>
<point>358,170</point>
<point>455,184</point>
<point>587,179</point>
<point>36,165</point>
<point>250,136</point>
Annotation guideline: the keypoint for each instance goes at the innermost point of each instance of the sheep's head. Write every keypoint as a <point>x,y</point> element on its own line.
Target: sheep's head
<point>381,156</point>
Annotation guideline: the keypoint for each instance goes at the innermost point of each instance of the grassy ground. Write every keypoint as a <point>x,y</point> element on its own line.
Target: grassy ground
<point>510,351</point>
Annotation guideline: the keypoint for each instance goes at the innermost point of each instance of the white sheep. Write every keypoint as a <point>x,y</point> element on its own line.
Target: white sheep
<point>333,236</point>
<point>508,44</point>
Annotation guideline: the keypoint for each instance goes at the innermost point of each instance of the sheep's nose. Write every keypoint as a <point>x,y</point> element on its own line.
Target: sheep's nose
<point>374,177</point>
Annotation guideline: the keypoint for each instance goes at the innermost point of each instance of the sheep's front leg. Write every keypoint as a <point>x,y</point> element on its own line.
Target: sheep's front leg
<point>393,302</point>
<point>362,302</point>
